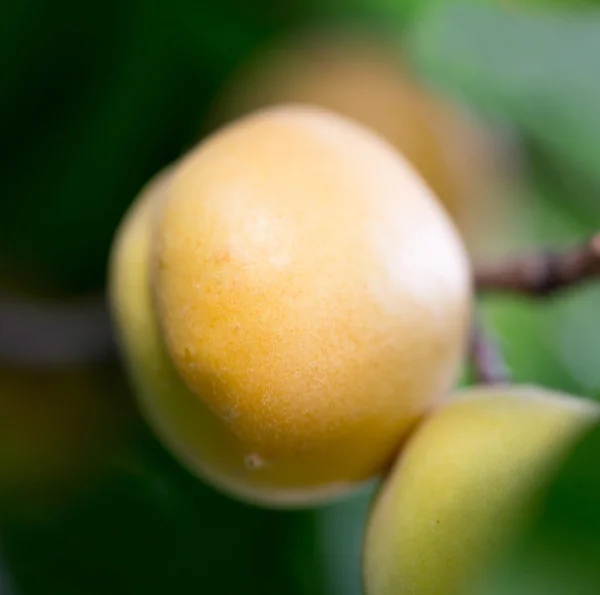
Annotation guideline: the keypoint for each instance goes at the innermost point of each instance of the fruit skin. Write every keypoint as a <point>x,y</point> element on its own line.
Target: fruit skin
<point>464,485</point>
<point>365,78</point>
<point>291,299</point>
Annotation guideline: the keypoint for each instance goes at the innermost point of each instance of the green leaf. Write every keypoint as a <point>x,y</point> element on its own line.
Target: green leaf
<point>577,332</point>
<point>537,69</point>
<point>149,527</point>
<point>340,538</point>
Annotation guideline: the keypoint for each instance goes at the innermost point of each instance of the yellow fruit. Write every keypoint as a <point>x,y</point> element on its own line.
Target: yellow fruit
<point>290,299</point>
<point>464,484</point>
<point>364,79</point>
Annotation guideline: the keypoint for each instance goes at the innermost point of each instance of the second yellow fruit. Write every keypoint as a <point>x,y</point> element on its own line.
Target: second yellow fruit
<point>466,484</point>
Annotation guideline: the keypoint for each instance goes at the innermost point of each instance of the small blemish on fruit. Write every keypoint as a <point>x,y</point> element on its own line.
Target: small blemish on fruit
<point>254,461</point>
<point>187,356</point>
<point>230,414</point>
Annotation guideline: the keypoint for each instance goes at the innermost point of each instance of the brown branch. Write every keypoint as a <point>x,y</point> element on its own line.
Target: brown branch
<point>45,333</point>
<point>488,364</point>
<point>51,334</point>
<point>543,274</point>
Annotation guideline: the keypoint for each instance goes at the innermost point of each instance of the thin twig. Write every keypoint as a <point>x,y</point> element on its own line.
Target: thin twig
<point>488,364</point>
<point>52,334</point>
<point>543,274</point>
<point>44,333</point>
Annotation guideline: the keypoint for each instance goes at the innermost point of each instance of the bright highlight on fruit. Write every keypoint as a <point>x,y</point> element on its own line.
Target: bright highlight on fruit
<point>290,300</point>
<point>365,77</point>
<point>465,483</point>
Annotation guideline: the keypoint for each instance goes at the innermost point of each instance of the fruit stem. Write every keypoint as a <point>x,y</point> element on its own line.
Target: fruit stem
<point>488,364</point>
<point>543,274</point>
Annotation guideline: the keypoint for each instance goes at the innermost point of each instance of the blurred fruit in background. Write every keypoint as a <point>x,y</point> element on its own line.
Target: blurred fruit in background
<point>56,426</point>
<point>364,76</point>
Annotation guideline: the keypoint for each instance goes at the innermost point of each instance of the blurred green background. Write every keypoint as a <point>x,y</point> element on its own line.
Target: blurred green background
<point>96,98</point>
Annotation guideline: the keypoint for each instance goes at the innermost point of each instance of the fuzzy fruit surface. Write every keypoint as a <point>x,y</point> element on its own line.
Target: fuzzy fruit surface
<point>466,482</point>
<point>365,78</point>
<point>291,299</point>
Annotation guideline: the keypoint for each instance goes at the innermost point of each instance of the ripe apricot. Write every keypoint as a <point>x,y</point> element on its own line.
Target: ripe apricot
<point>465,484</point>
<point>365,78</point>
<point>290,299</point>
